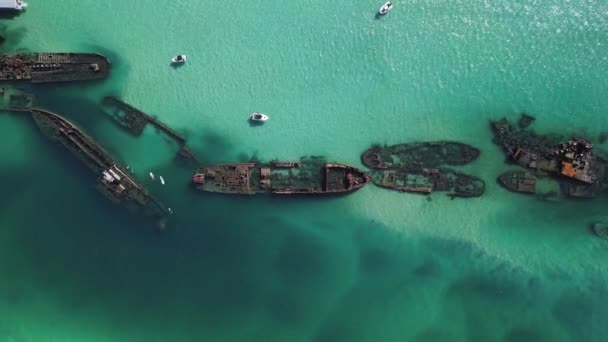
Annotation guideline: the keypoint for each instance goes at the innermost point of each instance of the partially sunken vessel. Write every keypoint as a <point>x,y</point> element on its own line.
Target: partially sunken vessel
<point>600,229</point>
<point>518,181</point>
<point>115,184</point>
<point>310,176</point>
<point>53,67</point>
<point>419,155</point>
<point>428,180</point>
<point>580,171</point>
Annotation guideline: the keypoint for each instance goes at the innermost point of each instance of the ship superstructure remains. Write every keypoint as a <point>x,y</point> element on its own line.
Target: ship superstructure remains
<point>309,176</point>
<point>117,185</point>
<point>428,180</point>
<point>420,168</point>
<point>419,155</point>
<point>53,67</point>
<point>581,172</point>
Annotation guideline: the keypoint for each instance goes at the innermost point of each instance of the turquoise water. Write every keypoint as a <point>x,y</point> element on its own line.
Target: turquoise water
<point>373,266</point>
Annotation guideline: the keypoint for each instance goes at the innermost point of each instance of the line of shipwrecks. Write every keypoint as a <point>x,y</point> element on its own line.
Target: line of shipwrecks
<point>307,176</point>
<point>424,167</point>
<point>412,168</point>
<point>420,168</point>
<point>417,167</point>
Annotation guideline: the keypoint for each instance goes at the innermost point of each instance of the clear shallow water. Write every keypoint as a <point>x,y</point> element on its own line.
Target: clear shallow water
<point>375,265</point>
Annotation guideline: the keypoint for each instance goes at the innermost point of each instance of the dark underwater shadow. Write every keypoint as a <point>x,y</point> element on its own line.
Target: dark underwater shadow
<point>305,264</point>
<point>229,260</point>
<point>10,15</point>
<point>176,66</point>
<point>11,38</point>
<point>253,123</point>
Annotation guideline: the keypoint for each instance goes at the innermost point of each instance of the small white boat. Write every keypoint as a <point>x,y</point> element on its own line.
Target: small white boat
<point>385,8</point>
<point>12,5</point>
<point>151,176</point>
<point>179,59</point>
<point>162,180</point>
<point>258,117</point>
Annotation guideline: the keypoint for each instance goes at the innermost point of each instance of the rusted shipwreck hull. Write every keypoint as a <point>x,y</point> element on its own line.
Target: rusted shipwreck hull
<point>419,155</point>
<point>53,67</point>
<point>313,177</point>
<point>113,182</point>
<point>573,161</point>
<point>428,180</point>
<point>518,181</point>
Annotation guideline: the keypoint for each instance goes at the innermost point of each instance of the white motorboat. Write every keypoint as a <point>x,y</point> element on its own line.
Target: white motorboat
<point>151,176</point>
<point>12,5</point>
<point>258,117</point>
<point>162,180</point>
<point>385,8</point>
<point>179,59</point>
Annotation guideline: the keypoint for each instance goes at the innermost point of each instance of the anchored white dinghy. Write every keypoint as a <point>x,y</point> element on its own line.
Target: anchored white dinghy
<point>385,8</point>
<point>258,117</point>
<point>12,5</point>
<point>162,180</point>
<point>151,176</point>
<point>179,59</point>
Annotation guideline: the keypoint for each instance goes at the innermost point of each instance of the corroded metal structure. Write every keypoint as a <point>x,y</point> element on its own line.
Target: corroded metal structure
<point>114,183</point>
<point>581,172</point>
<point>518,181</point>
<point>428,180</point>
<point>419,155</point>
<point>53,67</point>
<point>420,168</point>
<point>309,176</point>
<point>135,121</point>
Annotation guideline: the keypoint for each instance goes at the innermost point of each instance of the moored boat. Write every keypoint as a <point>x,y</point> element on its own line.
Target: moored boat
<point>310,176</point>
<point>179,59</point>
<point>13,5</point>
<point>385,8</point>
<point>258,117</point>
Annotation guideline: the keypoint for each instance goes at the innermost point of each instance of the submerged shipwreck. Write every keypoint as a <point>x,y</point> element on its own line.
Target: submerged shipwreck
<point>417,168</point>
<point>425,181</point>
<point>419,155</point>
<point>13,99</point>
<point>580,171</point>
<point>518,181</point>
<point>313,176</point>
<point>135,121</point>
<point>53,67</point>
<point>600,229</point>
<point>115,184</point>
